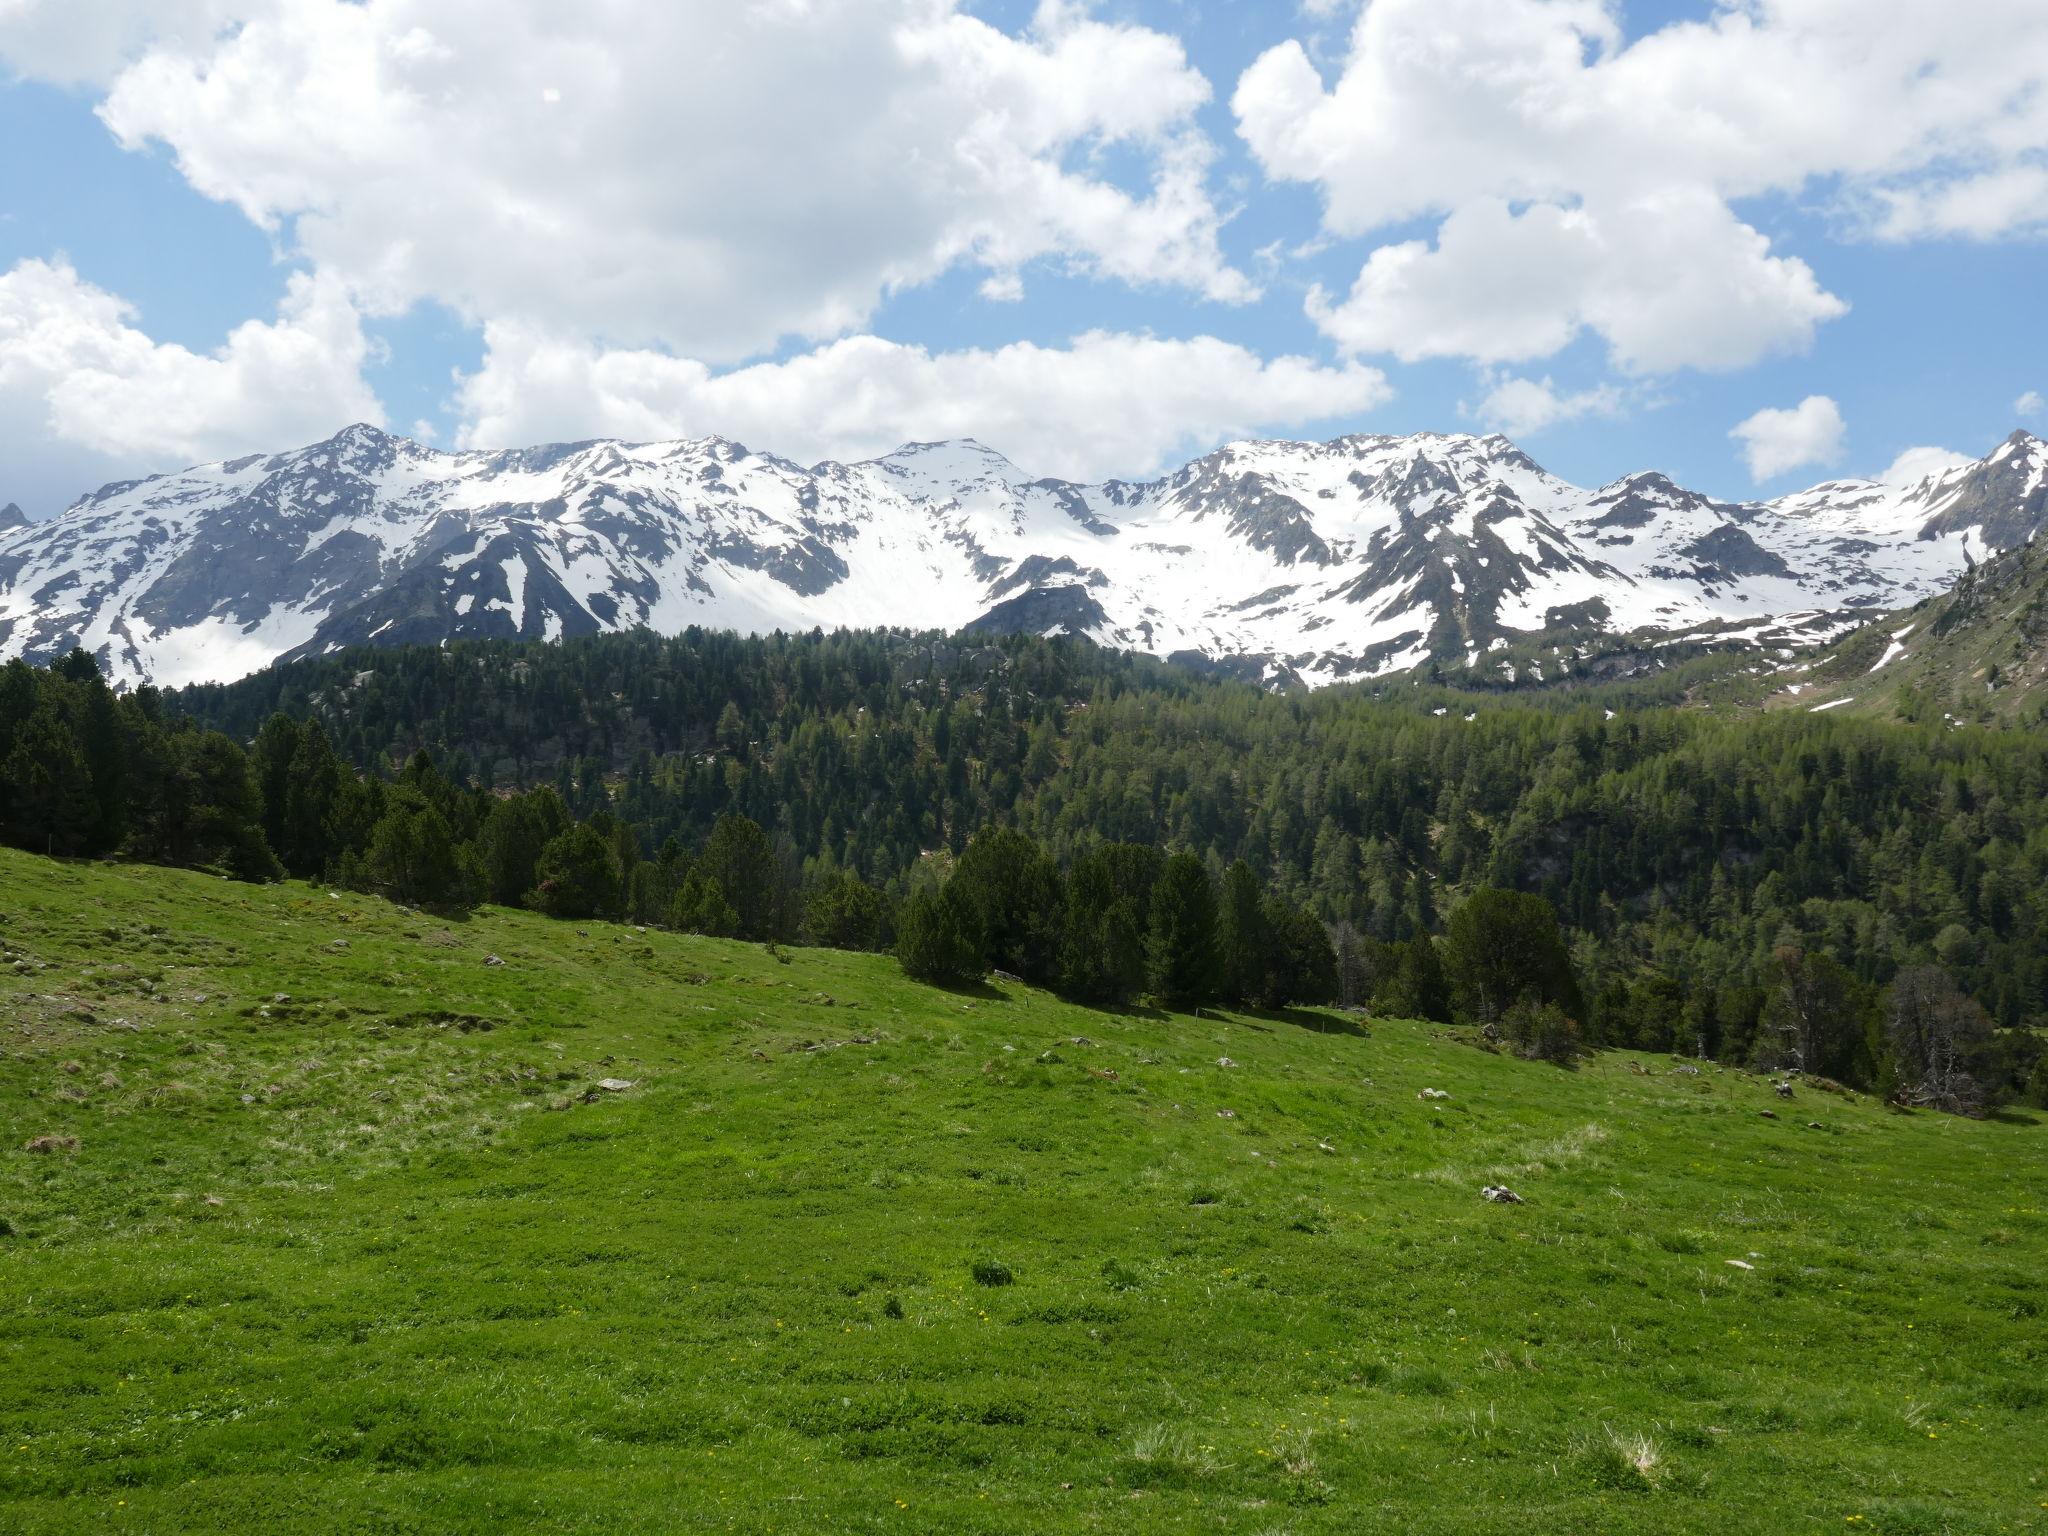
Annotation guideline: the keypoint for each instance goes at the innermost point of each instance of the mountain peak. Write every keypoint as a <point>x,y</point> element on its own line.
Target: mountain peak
<point>12,516</point>
<point>950,463</point>
<point>1357,557</point>
<point>962,447</point>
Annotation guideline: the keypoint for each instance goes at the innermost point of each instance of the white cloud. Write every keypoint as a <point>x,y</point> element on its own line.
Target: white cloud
<point>1915,464</point>
<point>1538,121</point>
<point>1671,281</point>
<point>88,41</point>
<point>701,176</point>
<point>1775,441</point>
<point>99,398</point>
<point>1105,405</point>
<point>2029,404</point>
<point>1524,407</point>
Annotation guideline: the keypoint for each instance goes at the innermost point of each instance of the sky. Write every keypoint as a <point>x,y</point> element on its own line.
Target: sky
<point>1754,243</point>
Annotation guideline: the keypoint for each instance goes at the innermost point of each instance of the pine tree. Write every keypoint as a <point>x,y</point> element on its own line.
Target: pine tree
<point>1102,949</point>
<point>936,939</point>
<point>1181,958</point>
<point>700,906</point>
<point>740,858</point>
<point>577,875</point>
<point>1415,986</point>
<point>1300,966</point>
<point>104,746</point>
<point>412,858</point>
<point>1500,945</point>
<point>1015,892</point>
<point>845,912</point>
<point>49,789</point>
<point>1245,942</point>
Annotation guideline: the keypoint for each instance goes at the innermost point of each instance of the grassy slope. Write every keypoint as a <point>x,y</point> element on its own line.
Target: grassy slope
<point>1996,616</point>
<point>441,1291</point>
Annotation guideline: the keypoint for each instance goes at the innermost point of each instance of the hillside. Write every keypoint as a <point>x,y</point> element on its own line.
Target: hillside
<point>1682,844</point>
<point>1287,562</point>
<point>1976,653</point>
<point>354,1236</point>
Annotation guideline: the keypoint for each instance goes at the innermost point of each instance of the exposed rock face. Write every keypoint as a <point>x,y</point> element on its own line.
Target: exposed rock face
<point>1311,561</point>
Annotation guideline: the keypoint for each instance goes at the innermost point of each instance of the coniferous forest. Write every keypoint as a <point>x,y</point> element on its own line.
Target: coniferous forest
<point>1563,870</point>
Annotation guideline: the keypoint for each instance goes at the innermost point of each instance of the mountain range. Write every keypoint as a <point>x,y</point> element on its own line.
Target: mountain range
<point>1286,561</point>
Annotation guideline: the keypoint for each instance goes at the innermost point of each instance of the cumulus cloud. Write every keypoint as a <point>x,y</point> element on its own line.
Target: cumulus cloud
<point>2029,404</point>
<point>100,398</point>
<point>1673,280</point>
<point>702,176</point>
<point>1601,161</point>
<point>1775,441</point>
<point>1106,405</point>
<point>1524,407</point>
<point>81,42</point>
<point>1915,464</point>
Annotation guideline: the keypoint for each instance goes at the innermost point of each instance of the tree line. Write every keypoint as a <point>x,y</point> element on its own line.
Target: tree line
<point>1685,853</point>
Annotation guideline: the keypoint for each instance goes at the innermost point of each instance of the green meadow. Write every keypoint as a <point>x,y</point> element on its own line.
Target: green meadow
<point>332,1224</point>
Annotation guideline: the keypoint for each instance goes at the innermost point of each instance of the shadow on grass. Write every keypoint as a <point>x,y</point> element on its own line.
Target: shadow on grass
<point>2008,1114</point>
<point>981,991</point>
<point>1131,1011</point>
<point>1322,1020</point>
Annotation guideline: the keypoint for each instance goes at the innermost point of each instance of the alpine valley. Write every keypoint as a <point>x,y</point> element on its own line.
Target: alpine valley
<point>1284,561</point>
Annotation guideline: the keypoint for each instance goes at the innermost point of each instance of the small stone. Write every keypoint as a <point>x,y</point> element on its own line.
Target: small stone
<point>1432,1093</point>
<point>1225,1061</point>
<point>614,1084</point>
<point>280,997</point>
<point>1738,1264</point>
<point>50,1144</point>
<point>215,1200</point>
<point>1768,1114</point>
<point>1500,1194</point>
<point>492,960</point>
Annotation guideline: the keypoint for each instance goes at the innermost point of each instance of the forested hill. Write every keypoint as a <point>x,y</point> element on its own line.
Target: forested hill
<point>1683,847</point>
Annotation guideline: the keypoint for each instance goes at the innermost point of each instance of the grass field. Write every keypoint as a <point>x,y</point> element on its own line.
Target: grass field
<point>352,1240</point>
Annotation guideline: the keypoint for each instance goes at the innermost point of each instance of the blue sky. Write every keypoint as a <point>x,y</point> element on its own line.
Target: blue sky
<point>229,226</point>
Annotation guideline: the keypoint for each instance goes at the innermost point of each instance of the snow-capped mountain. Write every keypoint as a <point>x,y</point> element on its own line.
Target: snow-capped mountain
<point>1322,561</point>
